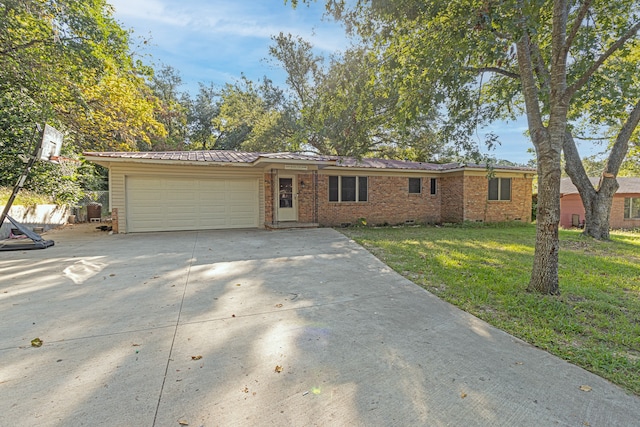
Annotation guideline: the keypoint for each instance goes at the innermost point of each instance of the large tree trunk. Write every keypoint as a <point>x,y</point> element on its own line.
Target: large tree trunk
<point>597,212</point>
<point>544,275</point>
<point>548,142</point>
<point>597,202</point>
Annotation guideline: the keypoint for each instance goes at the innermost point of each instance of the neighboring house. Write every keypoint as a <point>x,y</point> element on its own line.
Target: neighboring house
<point>625,210</point>
<point>194,190</point>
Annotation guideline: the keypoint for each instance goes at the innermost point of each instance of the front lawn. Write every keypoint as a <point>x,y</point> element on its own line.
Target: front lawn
<point>484,270</point>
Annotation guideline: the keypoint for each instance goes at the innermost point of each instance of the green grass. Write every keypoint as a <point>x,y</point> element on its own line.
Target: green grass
<point>484,270</point>
<point>24,198</point>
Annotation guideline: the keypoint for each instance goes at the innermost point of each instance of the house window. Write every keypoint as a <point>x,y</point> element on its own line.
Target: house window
<point>434,186</point>
<point>632,208</point>
<point>500,189</point>
<point>415,185</point>
<point>347,188</point>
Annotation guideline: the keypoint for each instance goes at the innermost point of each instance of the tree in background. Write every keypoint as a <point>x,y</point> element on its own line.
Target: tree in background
<point>171,111</point>
<point>67,62</point>
<point>201,113</point>
<point>342,107</point>
<point>256,117</point>
<point>485,60</point>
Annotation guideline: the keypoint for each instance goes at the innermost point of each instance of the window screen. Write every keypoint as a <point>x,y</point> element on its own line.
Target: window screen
<point>631,208</point>
<point>362,188</point>
<point>415,185</point>
<point>333,188</point>
<point>500,189</point>
<point>348,193</point>
<point>348,188</point>
<point>505,188</point>
<point>493,189</point>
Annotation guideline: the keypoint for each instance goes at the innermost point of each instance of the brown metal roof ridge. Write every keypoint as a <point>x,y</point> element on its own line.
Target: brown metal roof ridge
<point>230,156</point>
<point>628,185</point>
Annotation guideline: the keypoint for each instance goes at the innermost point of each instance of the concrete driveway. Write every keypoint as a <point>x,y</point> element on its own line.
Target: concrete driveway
<point>297,327</point>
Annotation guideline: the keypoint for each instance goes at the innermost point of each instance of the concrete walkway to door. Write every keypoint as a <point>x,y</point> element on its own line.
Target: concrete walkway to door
<point>252,327</point>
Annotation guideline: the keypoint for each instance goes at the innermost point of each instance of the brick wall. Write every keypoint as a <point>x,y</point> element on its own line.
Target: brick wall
<point>452,195</point>
<point>617,213</point>
<point>268,198</point>
<point>388,202</point>
<point>478,208</point>
<point>572,204</point>
<point>306,198</point>
<point>459,198</point>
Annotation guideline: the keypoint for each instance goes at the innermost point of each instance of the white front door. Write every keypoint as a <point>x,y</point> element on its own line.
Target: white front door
<point>287,199</point>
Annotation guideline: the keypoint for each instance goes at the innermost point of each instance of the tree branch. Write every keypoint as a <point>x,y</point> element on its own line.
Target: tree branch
<point>496,70</point>
<point>540,67</point>
<point>621,146</point>
<point>39,41</point>
<point>575,26</point>
<point>529,89</point>
<point>577,85</point>
<point>574,168</point>
<point>22,46</point>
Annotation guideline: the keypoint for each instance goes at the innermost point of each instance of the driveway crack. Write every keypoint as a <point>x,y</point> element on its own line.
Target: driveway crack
<point>175,331</point>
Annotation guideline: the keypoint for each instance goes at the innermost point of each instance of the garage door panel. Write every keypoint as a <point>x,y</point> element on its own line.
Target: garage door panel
<point>163,204</point>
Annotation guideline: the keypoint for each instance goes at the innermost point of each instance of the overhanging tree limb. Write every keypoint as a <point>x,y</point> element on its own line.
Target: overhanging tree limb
<point>577,85</point>
<point>577,22</point>
<point>621,146</point>
<point>529,89</point>
<point>496,70</point>
<point>540,67</point>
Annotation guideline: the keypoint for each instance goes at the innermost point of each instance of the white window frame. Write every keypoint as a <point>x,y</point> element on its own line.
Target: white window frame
<point>419,185</point>
<point>499,199</point>
<point>340,189</point>
<point>633,201</point>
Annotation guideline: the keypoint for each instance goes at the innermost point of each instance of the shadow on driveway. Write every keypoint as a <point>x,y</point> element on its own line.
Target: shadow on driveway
<point>251,327</point>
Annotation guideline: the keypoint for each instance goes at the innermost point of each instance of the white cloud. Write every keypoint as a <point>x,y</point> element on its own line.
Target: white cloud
<point>154,11</point>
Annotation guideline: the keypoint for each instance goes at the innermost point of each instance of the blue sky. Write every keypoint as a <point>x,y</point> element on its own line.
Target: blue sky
<point>214,41</point>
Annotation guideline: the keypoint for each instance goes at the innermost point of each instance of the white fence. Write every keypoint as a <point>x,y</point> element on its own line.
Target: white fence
<point>45,216</point>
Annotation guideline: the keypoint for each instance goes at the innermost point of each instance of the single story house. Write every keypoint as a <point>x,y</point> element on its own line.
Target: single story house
<point>195,190</point>
<point>625,210</point>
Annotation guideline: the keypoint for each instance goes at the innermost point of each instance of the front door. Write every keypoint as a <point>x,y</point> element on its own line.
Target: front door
<point>287,199</point>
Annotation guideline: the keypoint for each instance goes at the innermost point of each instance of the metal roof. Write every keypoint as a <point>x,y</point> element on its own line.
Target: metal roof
<point>628,185</point>
<point>227,156</point>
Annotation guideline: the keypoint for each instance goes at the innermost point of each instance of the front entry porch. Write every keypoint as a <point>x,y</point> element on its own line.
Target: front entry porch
<point>284,225</point>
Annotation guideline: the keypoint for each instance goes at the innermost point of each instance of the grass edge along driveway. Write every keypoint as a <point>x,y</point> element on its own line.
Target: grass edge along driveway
<point>484,270</point>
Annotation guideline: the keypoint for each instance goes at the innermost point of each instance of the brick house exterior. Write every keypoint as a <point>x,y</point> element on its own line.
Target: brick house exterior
<point>223,189</point>
<point>625,209</point>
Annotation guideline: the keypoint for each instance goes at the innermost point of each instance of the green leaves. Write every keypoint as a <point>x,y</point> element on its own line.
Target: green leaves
<point>67,62</point>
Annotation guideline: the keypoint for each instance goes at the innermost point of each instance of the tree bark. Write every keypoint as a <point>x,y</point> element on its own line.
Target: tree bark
<point>597,201</point>
<point>548,142</point>
<point>544,275</point>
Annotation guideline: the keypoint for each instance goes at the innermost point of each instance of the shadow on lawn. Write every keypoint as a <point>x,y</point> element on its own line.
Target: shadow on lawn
<point>155,329</point>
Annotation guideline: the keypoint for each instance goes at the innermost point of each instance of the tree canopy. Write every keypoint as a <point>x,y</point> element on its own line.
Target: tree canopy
<point>67,62</point>
<point>554,60</point>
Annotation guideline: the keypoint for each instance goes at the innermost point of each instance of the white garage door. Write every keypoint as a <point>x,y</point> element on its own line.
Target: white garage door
<point>173,204</point>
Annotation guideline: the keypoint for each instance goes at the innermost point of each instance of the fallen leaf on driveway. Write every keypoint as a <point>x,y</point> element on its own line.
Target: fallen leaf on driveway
<point>183,422</point>
<point>585,388</point>
<point>198,357</point>
<point>238,284</point>
<point>279,305</point>
<point>463,395</point>
<point>278,369</point>
<point>36,342</point>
